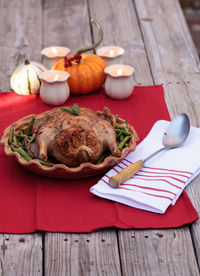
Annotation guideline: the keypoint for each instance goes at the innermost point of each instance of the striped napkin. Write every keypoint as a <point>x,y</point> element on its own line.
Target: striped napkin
<point>161,181</point>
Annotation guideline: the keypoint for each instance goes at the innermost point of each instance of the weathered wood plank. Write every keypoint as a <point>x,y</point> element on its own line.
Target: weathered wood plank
<point>157,252</point>
<point>120,27</point>
<point>172,55</point>
<point>20,38</point>
<point>82,254</point>
<point>21,254</point>
<point>177,65</point>
<point>67,24</point>
<point>195,227</point>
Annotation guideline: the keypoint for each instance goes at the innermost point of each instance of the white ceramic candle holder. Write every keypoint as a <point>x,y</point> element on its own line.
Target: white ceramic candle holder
<point>119,82</point>
<point>51,55</point>
<point>54,89</point>
<point>111,54</point>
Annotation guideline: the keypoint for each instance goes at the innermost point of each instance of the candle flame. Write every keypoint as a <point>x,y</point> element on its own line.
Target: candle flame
<point>54,50</point>
<point>119,72</point>
<point>56,77</point>
<point>111,52</point>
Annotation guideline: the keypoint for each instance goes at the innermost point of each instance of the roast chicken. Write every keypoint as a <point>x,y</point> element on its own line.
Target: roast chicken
<point>74,139</point>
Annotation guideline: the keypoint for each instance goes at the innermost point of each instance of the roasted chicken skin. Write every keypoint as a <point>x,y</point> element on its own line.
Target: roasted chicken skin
<point>74,139</point>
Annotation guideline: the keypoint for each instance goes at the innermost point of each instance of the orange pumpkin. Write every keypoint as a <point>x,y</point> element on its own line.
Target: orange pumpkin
<point>86,70</point>
<point>86,76</point>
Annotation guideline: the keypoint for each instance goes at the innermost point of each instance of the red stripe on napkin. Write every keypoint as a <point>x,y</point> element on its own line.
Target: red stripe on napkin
<point>166,197</point>
<point>166,176</point>
<point>29,202</point>
<point>159,179</point>
<point>133,190</point>
<point>168,170</point>
<point>150,188</point>
<point>140,186</point>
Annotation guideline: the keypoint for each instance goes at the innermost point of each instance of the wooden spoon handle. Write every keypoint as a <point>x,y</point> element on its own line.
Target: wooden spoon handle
<point>125,174</point>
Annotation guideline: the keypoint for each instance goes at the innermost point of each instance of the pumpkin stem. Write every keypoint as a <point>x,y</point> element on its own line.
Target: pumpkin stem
<point>93,46</point>
<point>26,62</point>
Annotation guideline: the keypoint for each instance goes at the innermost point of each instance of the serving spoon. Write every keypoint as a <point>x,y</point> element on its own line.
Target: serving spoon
<point>175,134</point>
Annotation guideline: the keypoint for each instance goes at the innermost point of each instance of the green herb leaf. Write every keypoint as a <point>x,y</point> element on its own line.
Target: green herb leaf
<point>74,110</point>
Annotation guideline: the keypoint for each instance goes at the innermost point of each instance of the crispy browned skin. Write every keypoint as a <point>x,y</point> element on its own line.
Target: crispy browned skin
<point>73,139</point>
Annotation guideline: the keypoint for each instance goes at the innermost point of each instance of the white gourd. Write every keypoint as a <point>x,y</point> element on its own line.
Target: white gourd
<point>25,79</point>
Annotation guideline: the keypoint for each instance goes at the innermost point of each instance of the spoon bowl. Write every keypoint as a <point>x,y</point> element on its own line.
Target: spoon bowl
<point>174,136</point>
<point>177,131</point>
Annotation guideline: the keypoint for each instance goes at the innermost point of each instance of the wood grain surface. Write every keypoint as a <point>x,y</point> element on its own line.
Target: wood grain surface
<point>158,45</point>
<point>82,254</point>
<point>21,37</point>
<point>21,254</point>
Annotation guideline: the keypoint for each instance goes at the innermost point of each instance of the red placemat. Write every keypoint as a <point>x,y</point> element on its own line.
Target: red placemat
<point>29,202</point>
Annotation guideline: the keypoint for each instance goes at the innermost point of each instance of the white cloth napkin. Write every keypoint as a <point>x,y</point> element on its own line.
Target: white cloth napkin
<point>161,181</point>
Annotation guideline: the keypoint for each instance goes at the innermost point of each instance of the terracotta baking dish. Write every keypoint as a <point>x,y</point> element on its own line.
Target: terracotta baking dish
<point>60,170</point>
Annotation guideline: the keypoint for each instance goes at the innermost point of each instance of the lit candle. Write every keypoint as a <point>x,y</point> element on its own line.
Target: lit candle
<point>54,89</point>
<point>52,54</point>
<point>111,54</point>
<point>119,82</point>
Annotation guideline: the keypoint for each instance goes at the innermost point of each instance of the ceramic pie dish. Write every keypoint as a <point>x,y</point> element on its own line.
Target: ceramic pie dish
<point>60,170</point>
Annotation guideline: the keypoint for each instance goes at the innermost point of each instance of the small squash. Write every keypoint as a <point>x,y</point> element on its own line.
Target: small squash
<point>25,79</point>
<point>86,70</point>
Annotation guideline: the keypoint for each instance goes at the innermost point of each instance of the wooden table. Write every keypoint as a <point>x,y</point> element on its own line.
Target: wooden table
<point>158,44</point>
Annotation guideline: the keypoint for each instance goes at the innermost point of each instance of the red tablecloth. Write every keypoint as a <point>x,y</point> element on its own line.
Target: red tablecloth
<point>29,202</point>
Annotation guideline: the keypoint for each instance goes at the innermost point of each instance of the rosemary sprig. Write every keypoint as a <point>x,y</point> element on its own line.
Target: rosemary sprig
<point>74,109</point>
